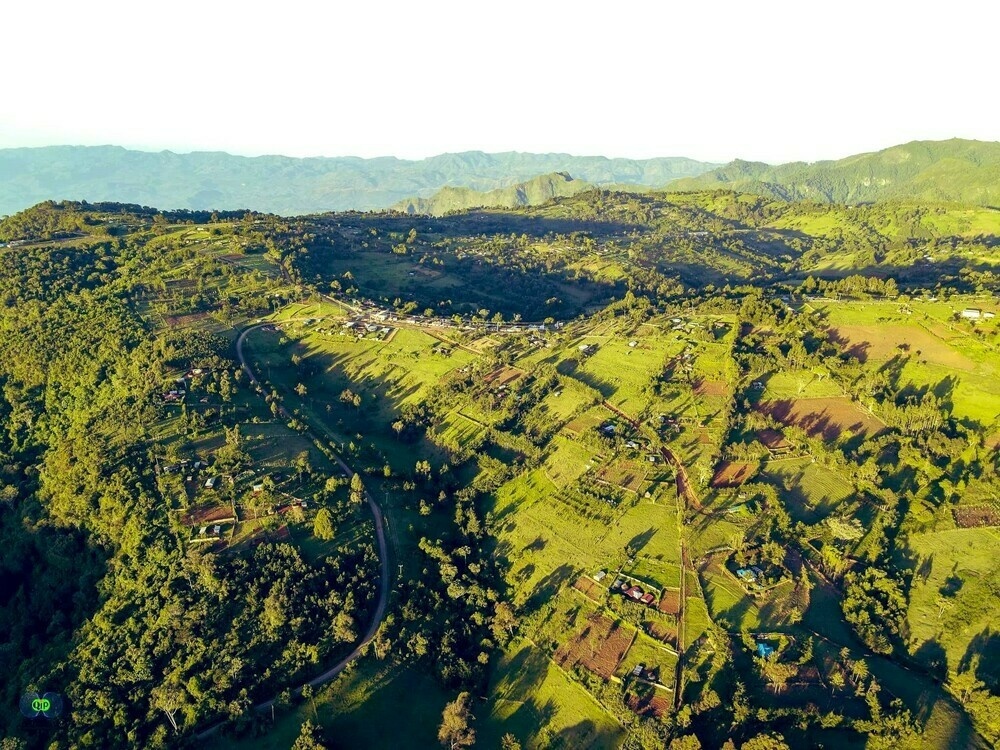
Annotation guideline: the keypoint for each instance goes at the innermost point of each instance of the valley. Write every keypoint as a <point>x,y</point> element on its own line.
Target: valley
<point>649,467</point>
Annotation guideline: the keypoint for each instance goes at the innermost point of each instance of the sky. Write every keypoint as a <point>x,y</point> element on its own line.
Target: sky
<point>769,81</point>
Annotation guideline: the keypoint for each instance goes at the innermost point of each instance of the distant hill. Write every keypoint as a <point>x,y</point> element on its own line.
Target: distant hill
<point>955,170</point>
<point>285,185</point>
<point>534,192</point>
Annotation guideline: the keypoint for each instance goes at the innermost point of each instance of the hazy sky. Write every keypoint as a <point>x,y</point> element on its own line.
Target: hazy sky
<point>775,81</point>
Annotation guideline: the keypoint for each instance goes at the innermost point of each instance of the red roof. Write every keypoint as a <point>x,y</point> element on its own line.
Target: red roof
<point>635,592</point>
<point>648,599</point>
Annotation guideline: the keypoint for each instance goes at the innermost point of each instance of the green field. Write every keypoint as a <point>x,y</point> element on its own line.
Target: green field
<point>538,703</point>
<point>954,598</point>
<point>809,490</point>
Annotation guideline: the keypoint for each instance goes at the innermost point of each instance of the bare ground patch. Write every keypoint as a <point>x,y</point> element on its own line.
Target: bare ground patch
<point>882,342</point>
<point>599,647</point>
<point>732,474</point>
<point>825,417</point>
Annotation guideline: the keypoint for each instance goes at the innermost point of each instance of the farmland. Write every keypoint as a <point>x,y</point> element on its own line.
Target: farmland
<point>667,510</point>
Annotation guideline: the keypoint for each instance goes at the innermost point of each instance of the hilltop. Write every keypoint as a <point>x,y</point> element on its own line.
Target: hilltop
<point>530,193</point>
<point>289,186</point>
<point>954,170</point>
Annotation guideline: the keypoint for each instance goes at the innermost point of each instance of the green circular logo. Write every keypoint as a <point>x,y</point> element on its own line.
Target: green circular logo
<point>41,704</point>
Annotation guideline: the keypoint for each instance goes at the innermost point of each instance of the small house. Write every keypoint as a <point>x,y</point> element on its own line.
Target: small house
<point>648,599</point>
<point>210,483</point>
<point>634,593</point>
<point>633,344</point>
<point>745,574</point>
<point>971,313</point>
<point>765,650</point>
<point>600,575</point>
<point>638,670</point>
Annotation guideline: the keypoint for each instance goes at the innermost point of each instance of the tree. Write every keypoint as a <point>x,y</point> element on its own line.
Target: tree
<point>357,489</point>
<point>323,525</point>
<point>769,741</point>
<point>509,742</point>
<point>455,731</point>
<point>309,737</point>
<point>504,619</point>
<point>687,742</point>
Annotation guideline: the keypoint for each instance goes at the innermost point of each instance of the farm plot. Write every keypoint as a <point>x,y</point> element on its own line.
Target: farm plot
<point>621,373</point>
<point>977,516</point>
<point>828,418</point>
<point>670,602</point>
<point>590,588</point>
<point>810,490</point>
<point>589,420</point>
<point>535,700</point>
<point>882,342</point>
<point>954,597</point>
<point>599,646</point>
<point>659,664</point>
<point>567,460</point>
<point>502,376</point>
<point>458,429</point>
<point>628,474</point>
<point>726,600</point>
<point>733,474</point>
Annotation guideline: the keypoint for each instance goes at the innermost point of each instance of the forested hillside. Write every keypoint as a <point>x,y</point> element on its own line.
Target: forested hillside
<point>619,470</point>
<point>287,185</point>
<point>531,193</point>
<point>955,170</point>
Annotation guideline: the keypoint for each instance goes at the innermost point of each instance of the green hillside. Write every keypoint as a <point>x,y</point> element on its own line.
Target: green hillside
<point>534,192</point>
<point>287,186</point>
<point>954,170</point>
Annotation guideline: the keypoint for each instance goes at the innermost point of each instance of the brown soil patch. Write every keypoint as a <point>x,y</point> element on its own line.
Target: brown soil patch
<point>629,475</point>
<point>655,705</point>
<point>884,342</point>
<point>183,320</point>
<point>825,417</point>
<point>208,514</point>
<point>599,647</point>
<point>712,388</point>
<point>588,587</point>
<point>663,633</point>
<point>503,376</point>
<point>670,602</point>
<point>704,437</point>
<point>583,423</point>
<point>976,516</point>
<point>992,442</point>
<point>774,441</point>
<point>732,474</point>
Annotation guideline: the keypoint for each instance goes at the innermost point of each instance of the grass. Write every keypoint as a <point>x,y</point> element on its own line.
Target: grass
<point>727,602</point>
<point>567,460</point>
<point>954,596</point>
<point>661,575</point>
<point>653,656</point>
<point>801,384</point>
<point>927,348</point>
<point>346,706</point>
<point>809,490</point>
<point>533,699</point>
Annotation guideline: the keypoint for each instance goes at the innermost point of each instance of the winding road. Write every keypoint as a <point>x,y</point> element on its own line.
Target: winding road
<point>383,553</point>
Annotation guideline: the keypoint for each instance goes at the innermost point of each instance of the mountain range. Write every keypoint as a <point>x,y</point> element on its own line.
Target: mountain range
<point>285,185</point>
<point>955,170</point>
